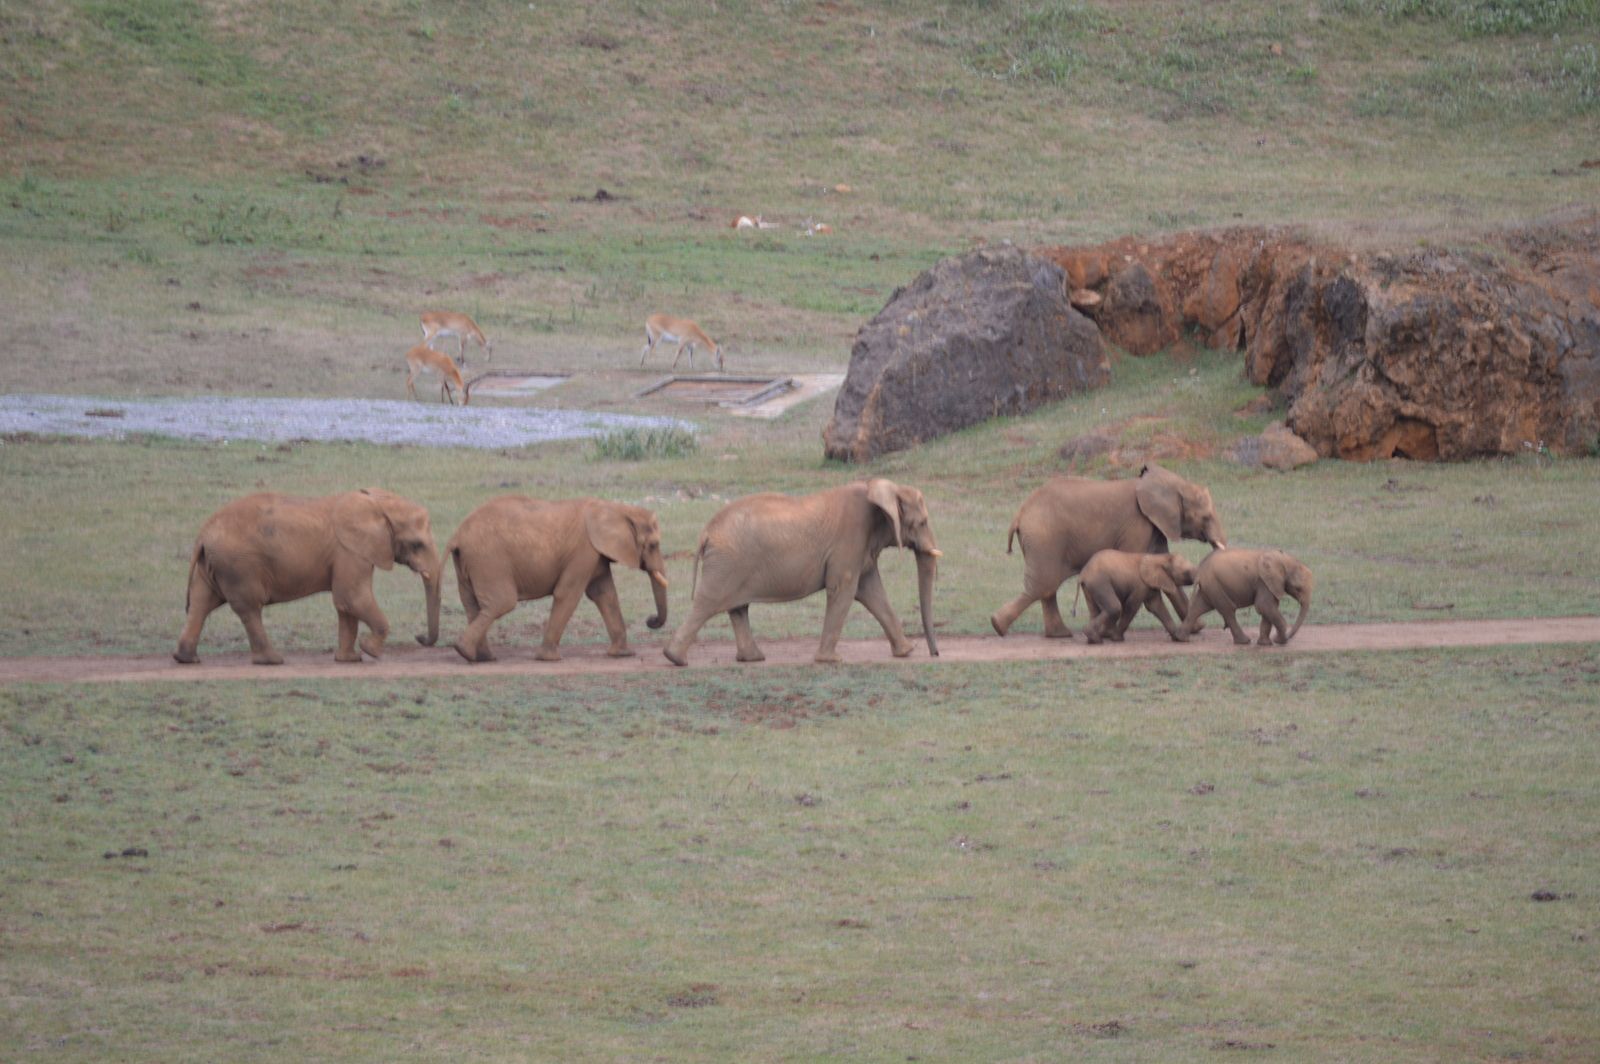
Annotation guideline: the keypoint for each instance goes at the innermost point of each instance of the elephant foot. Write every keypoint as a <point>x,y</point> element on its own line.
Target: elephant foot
<point>1281,640</point>
<point>621,652</point>
<point>185,657</point>
<point>754,655</point>
<point>547,654</point>
<point>352,658</point>
<point>371,647</point>
<point>830,658</point>
<point>903,651</point>
<point>1058,633</point>
<point>1000,627</point>
<point>273,658</point>
<point>466,655</point>
<point>1244,642</point>
<point>676,657</point>
<point>425,641</point>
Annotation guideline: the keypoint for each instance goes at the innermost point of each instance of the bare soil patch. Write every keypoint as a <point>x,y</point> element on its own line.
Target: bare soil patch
<point>402,662</point>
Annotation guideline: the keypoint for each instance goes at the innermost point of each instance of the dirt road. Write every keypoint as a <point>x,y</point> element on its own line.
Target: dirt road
<point>406,662</point>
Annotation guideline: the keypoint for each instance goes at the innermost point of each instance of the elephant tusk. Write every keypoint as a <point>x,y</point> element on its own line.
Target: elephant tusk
<point>658,578</point>
<point>935,552</point>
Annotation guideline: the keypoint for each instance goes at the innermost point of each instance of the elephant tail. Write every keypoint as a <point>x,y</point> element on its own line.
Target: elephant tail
<point>198,567</point>
<point>469,597</point>
<point>699,552</point>
<point>1015,533</point>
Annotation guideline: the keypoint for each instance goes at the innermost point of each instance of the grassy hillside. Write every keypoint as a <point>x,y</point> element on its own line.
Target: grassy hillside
<point>177,173</point>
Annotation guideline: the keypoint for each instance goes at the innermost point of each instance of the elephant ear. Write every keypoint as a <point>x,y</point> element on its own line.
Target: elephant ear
<point>1273,573</point>
<point>1153,571</point>
<point>1160,498</point>
<point>613,535</point>
<point>885,495</point>
<point>361,527</point>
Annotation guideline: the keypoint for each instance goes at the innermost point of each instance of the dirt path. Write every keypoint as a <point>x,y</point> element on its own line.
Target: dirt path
<point>405,662</point>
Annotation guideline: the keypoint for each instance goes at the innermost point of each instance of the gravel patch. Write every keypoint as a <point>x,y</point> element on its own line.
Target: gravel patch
<point>366,420</point>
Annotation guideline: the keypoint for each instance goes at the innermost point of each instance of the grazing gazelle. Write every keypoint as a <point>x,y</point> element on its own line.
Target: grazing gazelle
<point>436,323</point>
<point>680,331</point>
<point>424,359</point>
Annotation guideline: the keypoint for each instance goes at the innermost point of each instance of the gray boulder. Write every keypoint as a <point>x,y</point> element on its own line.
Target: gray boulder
<point>985,334</point>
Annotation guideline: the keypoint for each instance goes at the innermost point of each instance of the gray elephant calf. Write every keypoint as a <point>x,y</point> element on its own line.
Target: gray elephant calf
<point>1228,580</point>
<point>1117,583</point>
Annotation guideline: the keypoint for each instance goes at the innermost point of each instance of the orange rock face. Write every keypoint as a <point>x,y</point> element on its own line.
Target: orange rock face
<point>1422,354</point>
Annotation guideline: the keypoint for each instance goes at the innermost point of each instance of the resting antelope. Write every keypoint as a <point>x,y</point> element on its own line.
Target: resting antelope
<point>436,323</point>
<point>424,359</point>
<point>681,331</point>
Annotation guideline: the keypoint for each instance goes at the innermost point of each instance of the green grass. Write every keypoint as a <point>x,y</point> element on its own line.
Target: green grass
<point>1331,856</point>
<point>636,445</point>
<point>1387,541</point>
<point>1334,858</point>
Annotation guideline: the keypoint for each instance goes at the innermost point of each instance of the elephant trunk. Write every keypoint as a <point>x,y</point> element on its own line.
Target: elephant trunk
<point>658,584</point>
<point>432,576</point>
<point>927,569</point>
<point>1305,607</point>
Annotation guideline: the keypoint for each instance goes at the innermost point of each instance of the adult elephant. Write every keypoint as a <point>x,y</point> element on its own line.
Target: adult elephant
<point>515,548</point>
<point>269,548</point>
<point>1064,523</point>
<point>778,548</point>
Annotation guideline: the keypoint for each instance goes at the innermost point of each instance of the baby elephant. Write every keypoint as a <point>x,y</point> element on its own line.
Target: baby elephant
<point>1227,580</point>
<point>1118,582</point>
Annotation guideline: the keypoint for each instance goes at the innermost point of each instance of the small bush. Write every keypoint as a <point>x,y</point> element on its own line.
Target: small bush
<point>635,445</point>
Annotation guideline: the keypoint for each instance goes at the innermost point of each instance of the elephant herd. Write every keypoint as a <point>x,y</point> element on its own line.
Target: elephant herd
<point>1112,535</point>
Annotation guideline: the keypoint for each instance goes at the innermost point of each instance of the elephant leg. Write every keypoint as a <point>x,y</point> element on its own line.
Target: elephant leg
<point>1003,618</point>
<point>602,591</point>
<point>1231,619</point>
<point>349,625</point>
<point>562,606</point>
<point>1129,608</point>
<point>1104,620</point>
<point>743,636</point>
<point>1055,626</point>
<point>1180,606</point>
<point>261,650</point>
<point>203,602</point>
<point>1154,604</point>
<point>1198,606</point>
<point>677,649</point>
<point>363,605</point>
<point>840,595</point>
<point>487,607</point>
<point>871,594</point>
<point>1271,618</point>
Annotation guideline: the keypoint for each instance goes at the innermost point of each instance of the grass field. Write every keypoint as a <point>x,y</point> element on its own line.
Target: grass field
<point>1273,855</point>
<point>1307,857</point>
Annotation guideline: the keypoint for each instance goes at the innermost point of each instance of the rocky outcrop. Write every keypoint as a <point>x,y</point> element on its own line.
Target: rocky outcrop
<point>988,333</point>
<point>1420,354</point>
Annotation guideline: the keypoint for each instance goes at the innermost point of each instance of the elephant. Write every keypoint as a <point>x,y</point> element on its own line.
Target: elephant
<point>269,548</point>
<point>1226,581</point>
<point>779,548</point>
<point>1068,520</point>
<point>514,548</point>
<point>1117,583</point>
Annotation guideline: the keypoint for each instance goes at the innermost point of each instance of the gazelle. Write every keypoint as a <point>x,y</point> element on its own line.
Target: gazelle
<point>818,228</point>
<point>680,331</point>
<point>424,359</point>
<point>436,323</point>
